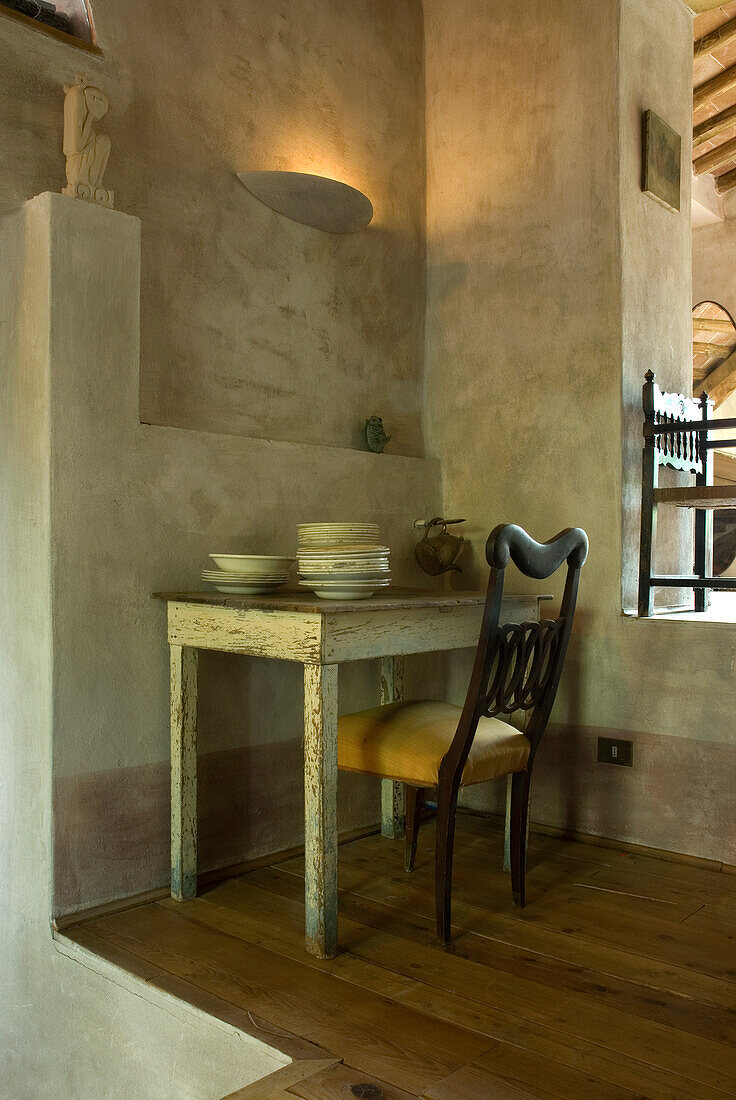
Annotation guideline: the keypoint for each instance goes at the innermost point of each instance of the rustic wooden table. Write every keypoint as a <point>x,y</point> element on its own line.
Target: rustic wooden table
<point>319,634</point>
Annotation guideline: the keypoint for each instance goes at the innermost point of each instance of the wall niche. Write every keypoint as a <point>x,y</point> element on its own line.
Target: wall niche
<point>72,18</point>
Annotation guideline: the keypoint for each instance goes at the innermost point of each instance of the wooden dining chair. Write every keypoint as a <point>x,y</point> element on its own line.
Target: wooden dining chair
<point>431,744</point>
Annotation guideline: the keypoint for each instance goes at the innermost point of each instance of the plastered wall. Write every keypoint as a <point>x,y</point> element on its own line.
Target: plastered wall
<point>251,325</point>
<point>101,511</point>
<point>292,340</point>
<point>65,1030</point>
<point>135,509</point>
<point>553,284</point>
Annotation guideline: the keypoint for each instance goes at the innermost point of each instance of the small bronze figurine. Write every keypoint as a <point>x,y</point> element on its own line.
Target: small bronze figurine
<point>437,553</point>
<point>375,436</point>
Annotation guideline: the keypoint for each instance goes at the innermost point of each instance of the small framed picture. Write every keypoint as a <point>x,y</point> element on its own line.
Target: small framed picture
<point>662,158</point>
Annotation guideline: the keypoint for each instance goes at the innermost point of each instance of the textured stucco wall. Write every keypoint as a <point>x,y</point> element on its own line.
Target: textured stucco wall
<point>714,264</point>
<point>64,1030</point>
<point>252,325</point>
<point>136,509</point>
<point>656,249</point>
<point>553,283</point>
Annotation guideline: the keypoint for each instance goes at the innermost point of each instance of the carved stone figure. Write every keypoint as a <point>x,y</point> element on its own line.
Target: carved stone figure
<point>86,152</point>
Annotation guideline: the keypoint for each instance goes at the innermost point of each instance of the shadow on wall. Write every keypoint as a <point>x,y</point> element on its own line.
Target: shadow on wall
<point>564,758</point>
<point>445,279</point>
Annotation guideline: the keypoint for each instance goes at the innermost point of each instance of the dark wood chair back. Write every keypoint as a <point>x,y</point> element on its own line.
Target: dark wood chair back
<point>518,665</point>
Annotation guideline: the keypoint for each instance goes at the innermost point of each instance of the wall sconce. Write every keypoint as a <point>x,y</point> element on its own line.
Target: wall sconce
<point>317,201</point>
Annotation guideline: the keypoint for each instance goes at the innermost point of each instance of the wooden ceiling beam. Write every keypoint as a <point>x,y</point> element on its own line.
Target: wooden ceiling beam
<point>714,160</point>
<point>713,324</point>
<point>718,350</point>
<point>721,382</point>
<point>714,126</point>
<point>699,6</point>
<point>724,82</point>
<point>726,182</point>
<point>716,40</point>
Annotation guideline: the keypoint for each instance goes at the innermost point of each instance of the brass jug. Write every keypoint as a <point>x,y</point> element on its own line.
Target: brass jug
<point>437,553</point>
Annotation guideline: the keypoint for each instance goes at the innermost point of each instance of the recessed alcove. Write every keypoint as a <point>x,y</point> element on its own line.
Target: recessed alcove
<point>69,20</point>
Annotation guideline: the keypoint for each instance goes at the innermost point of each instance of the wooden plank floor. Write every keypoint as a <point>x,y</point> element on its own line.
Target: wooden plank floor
<point>618,981</point>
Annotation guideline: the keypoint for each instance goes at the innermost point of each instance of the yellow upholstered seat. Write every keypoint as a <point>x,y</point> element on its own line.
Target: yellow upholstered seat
<point>407,741</point>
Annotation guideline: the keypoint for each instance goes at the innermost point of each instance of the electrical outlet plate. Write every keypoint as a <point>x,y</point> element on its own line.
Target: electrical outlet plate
<point>615,751</point>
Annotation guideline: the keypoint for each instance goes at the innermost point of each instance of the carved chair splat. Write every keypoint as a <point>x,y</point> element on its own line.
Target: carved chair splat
<point>517,668</point>
<point>677,433</point>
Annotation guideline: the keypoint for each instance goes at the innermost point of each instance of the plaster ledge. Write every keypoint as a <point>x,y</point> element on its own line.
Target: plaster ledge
<point>160,998</point>
<point>294,444</point>
<point>722,612</point>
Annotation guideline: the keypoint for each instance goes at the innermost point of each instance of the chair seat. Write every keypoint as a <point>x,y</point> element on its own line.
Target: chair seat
<point>407,741</point>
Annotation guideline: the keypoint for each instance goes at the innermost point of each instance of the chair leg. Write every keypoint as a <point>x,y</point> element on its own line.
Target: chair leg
<point>446,808</point>
<point>414,804</point>
<point>519,817</point>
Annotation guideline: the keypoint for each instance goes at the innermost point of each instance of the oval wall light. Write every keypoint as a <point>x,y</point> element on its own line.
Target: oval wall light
<point>317,201</point>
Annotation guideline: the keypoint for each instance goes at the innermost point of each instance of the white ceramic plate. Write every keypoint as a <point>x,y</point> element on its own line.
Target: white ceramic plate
<point>252,563</point>
<point>343,578</point>
<point>244,584</point>
<point>308,527</point>
<point>344,584</point>
<point>245,589</point>
<point>335,532</point>
<point>245,578</point>
<point>359,549</point>
<point>327,533</point>
<point>368,564</point>
<point>349,550</point>
<point>335,546</point>
<point>324,570</point>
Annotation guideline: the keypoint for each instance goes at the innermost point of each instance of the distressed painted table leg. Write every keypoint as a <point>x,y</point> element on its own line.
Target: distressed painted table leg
<point>393,795</point>
<point>320,809</point>
<point>183,772</point>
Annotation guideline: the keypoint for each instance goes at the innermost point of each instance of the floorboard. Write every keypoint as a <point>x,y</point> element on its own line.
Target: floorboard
<point>617,981</point>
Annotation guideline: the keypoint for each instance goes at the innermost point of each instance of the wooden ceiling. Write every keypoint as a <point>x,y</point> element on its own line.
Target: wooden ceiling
<point>714,154</point>
<point>702,5</point>
<point>714,96</point>
<point>714,344</point>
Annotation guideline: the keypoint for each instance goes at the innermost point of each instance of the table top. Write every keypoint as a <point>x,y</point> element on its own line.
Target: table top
<point>397,599</point>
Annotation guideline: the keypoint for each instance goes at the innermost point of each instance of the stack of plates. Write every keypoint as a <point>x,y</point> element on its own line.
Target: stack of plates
<point>321,535</point>
<point>342,561</point>
<point>248,574</point>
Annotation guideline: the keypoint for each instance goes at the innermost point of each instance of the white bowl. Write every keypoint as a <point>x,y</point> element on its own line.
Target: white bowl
<point>252,563</point>
<point>348,593</point>
<point>242,589</point>
<point>230,577</point>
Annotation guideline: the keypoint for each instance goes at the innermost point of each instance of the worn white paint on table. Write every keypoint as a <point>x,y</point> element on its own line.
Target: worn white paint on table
<point>319,635</point>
